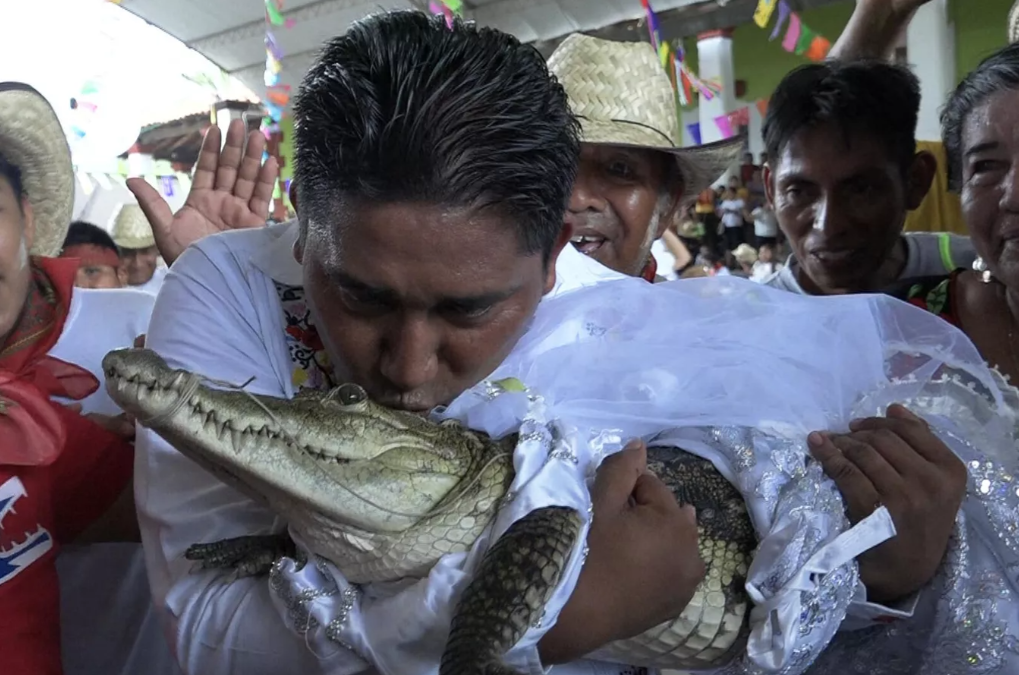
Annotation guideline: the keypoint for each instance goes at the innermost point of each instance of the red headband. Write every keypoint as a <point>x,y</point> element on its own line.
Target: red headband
<point>90,254</point>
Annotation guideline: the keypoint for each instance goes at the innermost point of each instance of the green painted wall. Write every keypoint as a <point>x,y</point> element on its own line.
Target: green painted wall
<point>980,27</point>
<point>762,63</point>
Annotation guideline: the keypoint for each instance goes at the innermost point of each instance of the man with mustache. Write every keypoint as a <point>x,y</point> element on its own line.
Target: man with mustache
<point>633,179</point>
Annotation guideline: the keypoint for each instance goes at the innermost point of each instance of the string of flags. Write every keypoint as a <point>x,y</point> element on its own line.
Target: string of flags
<point>448,9</point>
<point>799,38</point>
<point>277,95</point>
<point>684,80</point>
<point>729,124</point>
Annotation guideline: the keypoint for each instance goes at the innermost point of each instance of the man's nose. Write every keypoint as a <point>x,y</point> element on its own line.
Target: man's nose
<point>410,357</point>
<point>828,218</point>
<point>587,194</point>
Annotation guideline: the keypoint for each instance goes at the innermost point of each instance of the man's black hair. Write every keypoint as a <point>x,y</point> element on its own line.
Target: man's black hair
<point>402,108</point>
<point>997,73</point>
<point>13,175</point>
<point>81,233</point>
<point>862,97</point>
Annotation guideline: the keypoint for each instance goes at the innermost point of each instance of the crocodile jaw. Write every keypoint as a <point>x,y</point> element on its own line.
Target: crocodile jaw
<point>372,472</point>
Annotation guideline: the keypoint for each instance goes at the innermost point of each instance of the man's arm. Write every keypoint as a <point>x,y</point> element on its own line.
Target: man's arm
<point>205,321</point>
<point>874,28</point>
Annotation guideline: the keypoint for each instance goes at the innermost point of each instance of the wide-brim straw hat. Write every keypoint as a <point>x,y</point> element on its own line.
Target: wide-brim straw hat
<point>131,228</point>
<point>622,96</point>
<point>32,139</point>
<point>746,254</point>
<point>1013,23</point>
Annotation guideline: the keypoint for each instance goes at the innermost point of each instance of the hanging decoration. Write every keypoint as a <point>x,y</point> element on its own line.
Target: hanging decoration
<point>799,39</point>
<point>684,81</point>
<point>448,9</point>
<point>277,95</point>
<point>695,132</point>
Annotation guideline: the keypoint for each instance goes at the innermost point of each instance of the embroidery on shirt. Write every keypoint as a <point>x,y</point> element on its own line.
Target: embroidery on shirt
<point>307,352</point>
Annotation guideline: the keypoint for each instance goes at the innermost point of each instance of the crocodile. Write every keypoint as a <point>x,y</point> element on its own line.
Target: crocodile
<point>384,494</point>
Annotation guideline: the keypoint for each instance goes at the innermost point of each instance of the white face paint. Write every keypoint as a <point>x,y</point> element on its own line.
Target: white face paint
<point>22,254</point>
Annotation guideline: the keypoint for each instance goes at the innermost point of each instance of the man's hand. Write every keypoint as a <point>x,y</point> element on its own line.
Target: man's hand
<point>643,563</point>
<point>231,190</point>
<point>119,425</point>
<point>898,462</point>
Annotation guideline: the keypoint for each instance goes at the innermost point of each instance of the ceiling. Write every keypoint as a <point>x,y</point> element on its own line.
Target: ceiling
<point>230,33</point>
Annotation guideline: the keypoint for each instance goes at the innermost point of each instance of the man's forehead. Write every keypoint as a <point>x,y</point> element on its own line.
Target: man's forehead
<point>812,149</point>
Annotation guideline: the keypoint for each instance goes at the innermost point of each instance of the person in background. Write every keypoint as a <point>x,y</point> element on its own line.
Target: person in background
<point>873,31</point>
<point>733,211</point>
<point>747,168</point>
<point>979,123</point>
<point>843,174</point>
<point>98,257</point>
<point>745,256</point>
<point>765,266</point>
<point>633,177</point>
<point>705,210</point>
<point>138,253</point>
<point>67,603</point>
<point>765,224</point>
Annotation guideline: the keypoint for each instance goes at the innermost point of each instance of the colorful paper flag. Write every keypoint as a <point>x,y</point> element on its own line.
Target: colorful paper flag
<point>762,106</point>
<point>722,122</point>
<point>273,14</point>
<point>762,15</point>
<point>807,36</point>
<point>819,48</point>
<point>740,117</point>
<point>695,132</point>
<point>792,35</point>
<point>167,186</point>
<point>783,14</point>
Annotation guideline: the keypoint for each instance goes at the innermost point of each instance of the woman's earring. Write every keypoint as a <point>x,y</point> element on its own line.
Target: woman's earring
<point>980,267</point>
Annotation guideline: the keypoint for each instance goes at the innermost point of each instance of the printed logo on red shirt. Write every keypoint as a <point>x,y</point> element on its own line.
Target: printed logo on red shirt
<point>21,544</point>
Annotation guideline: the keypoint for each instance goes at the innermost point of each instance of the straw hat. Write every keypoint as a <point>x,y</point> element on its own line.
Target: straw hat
<point>32,139</point>
<point>131,228</point>
<point>622,96</point>
<point>1013,23</point>
<point>745,254</point>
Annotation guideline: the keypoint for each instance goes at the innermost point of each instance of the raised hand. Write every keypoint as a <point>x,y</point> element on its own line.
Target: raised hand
<point>230,190</point>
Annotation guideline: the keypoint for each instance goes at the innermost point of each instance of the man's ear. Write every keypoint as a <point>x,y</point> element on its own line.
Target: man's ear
<point>293,194</point>
<point>122,276</point>
<point>769,187</point>
<point>920,178</point>
<point>561,242</point>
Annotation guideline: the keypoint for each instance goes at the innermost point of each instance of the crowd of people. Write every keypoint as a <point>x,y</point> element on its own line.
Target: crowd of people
<point>432,230</point>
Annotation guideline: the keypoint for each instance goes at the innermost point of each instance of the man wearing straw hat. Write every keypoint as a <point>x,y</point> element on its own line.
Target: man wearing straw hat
<point>65,455</point>
<point>139,257</point>
<point>633,177</point>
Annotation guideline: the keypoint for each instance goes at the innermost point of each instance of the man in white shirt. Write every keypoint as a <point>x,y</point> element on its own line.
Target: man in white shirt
<point>425,242</point>
<point>138,253</point>
<point>633,174</point>
<point>842,175</point>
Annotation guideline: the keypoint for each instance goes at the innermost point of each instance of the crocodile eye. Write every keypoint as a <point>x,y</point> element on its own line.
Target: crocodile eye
<point>350,394</point>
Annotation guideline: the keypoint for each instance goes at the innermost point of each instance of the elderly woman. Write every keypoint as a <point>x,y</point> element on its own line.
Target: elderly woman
<point>979,125</point>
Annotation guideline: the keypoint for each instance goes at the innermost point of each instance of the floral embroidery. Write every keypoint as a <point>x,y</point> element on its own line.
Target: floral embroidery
<point>934,296</point>
<point>311,363</point>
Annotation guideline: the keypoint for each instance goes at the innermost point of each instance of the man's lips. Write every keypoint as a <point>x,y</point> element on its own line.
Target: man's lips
<point>588,244</point>
<point>836,257</point>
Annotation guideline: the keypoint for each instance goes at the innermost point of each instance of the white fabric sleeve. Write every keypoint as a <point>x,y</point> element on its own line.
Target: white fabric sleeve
<point>204,320</point>
<point>864,614</point>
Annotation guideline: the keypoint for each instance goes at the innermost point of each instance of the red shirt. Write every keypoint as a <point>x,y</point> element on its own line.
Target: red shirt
<point>40,508</point>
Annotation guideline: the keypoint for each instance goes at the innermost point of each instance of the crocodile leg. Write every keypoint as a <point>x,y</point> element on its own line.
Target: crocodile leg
<point>249,556</point>
<point>508,593</point>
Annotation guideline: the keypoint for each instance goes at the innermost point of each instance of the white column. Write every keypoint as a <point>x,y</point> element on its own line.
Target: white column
<point>224,113</point>
<point>714,62</point>
<point>930,48</point>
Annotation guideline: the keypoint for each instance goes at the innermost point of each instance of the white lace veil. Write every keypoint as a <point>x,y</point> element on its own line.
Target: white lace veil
<point>740,374</point>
